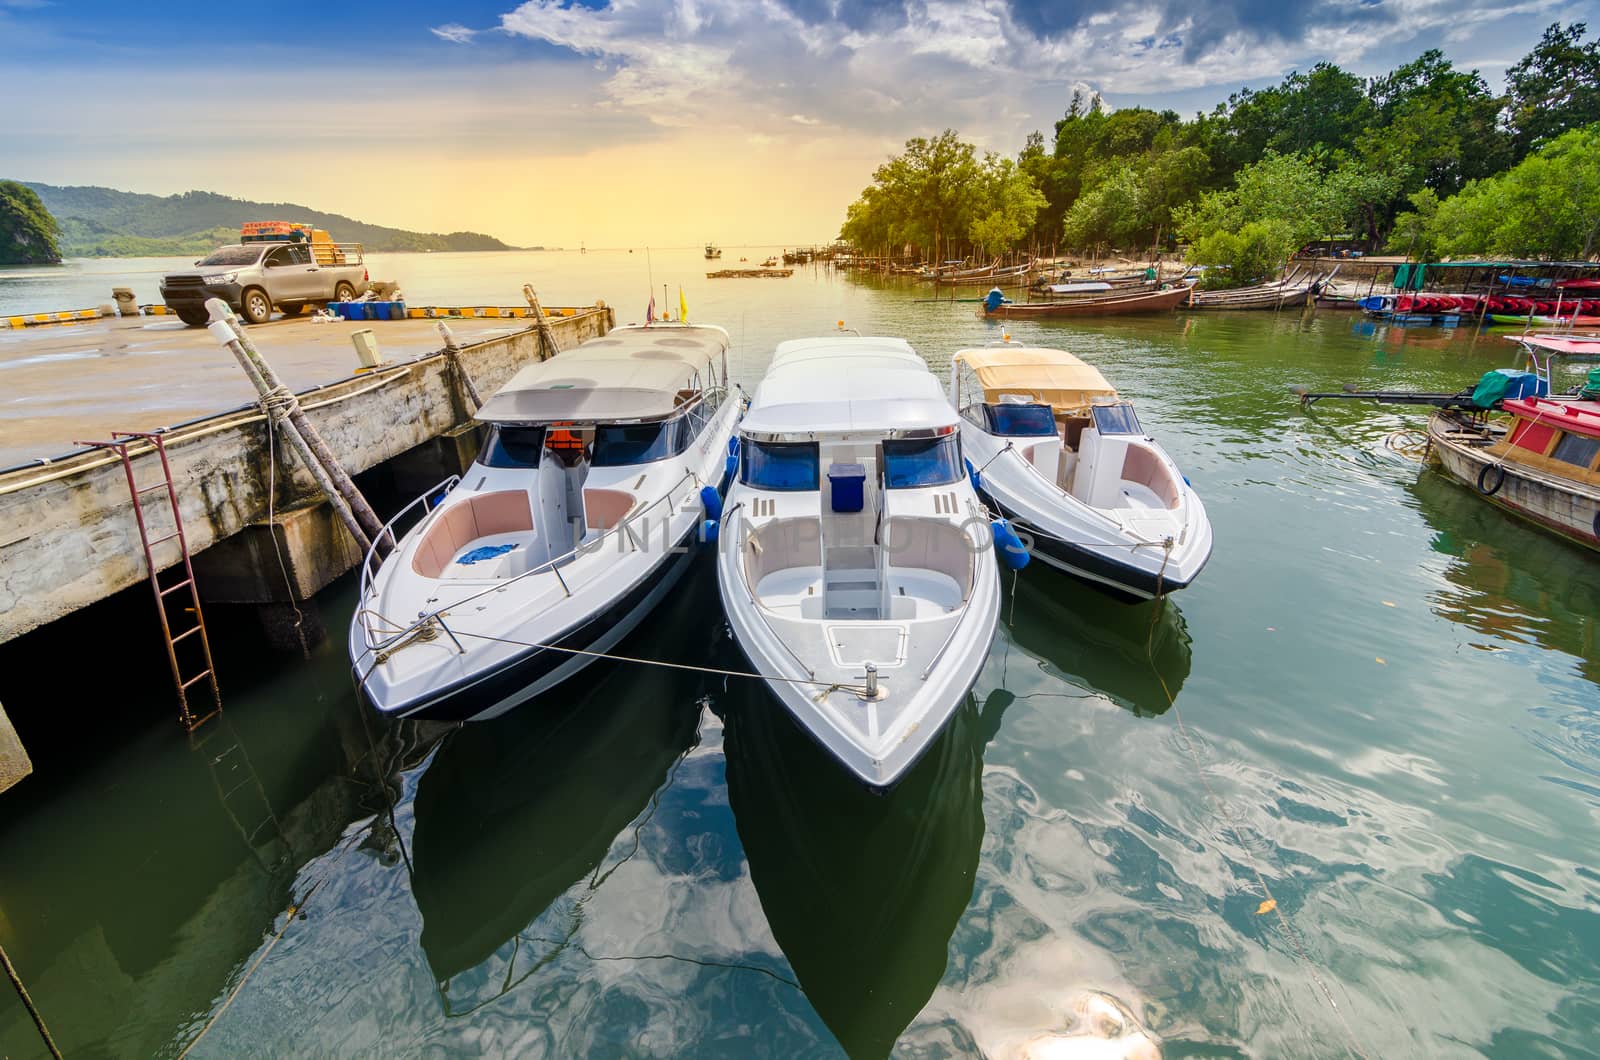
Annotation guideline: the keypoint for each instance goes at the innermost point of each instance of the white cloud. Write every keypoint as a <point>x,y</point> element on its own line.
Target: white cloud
<point>986,67</point>
<point>454,32</point>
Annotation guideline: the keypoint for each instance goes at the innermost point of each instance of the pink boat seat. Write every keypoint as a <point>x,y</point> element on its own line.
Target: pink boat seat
<point>465,521</point>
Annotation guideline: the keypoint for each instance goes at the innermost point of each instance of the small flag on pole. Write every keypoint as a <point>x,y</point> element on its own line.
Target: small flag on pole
<point>650,311</point>
<point>683,307</point>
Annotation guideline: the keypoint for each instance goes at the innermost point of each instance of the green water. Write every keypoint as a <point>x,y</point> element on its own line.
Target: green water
<point>1386,706</point>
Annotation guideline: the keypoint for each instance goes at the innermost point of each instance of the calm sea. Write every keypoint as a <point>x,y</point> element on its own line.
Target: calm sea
<point>1383,716</point>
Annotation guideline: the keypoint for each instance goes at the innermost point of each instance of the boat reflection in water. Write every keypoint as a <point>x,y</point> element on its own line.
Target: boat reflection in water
<point>1076,636</point>
<point>1510,581</point>
<point>512,812</point>
<point>862,889</point>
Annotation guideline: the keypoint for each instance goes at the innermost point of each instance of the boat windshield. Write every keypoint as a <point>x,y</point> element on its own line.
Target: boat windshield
<point>779,465</point>
<point>1115,419</point>
<point>912,462</point>
<point>617,445</point>
<point>510,446</point>
<point>1019,421</point>
<point>232,256</point>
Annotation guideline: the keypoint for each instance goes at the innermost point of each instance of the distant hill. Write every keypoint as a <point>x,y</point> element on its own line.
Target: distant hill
<point>103,222</point>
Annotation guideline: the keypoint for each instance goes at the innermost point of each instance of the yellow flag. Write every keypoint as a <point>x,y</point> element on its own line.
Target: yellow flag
<point>683,307</point>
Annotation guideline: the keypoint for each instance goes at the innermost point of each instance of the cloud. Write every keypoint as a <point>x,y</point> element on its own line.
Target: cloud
<point>991,68</point>
<point>454,32</point>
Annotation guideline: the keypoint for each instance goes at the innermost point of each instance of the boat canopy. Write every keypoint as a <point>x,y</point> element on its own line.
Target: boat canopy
<point>1045,376</point>
<point>629,374</point>
<point>842,385</point>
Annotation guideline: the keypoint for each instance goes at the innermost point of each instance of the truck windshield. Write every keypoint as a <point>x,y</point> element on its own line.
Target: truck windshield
<point>231,256</point>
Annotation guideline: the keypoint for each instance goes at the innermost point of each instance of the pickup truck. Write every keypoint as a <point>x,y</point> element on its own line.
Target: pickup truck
<point>255,278</point>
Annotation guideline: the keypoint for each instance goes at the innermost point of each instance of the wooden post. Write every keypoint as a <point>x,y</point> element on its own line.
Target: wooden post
<point>452,356</point>
<point>27,1003</point>
<point>283,407</point>
<point>14,761</point>
<point>547,337</point>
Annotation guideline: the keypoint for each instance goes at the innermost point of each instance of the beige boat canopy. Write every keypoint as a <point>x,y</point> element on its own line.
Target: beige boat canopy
<point>1044,376</point>
<point>630,374</point>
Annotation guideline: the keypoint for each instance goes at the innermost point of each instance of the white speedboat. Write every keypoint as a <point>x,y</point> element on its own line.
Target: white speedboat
<point>854,557</point>
<point>1063,457</point>
<point>580,514</point>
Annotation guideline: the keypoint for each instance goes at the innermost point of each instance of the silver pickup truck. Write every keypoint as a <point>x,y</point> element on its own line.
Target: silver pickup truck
<point>256,278</point>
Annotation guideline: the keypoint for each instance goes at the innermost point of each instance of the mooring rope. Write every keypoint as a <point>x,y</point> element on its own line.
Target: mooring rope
<point>27,1003</point>
<point>1270,904</point>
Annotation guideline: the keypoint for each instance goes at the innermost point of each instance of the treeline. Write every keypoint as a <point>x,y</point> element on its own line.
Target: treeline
<point>1422,160</point>
<point>98,222</point>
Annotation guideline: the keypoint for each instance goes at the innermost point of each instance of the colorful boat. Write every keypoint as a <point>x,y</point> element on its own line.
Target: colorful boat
<point>1116,304</point>
<point>1542,465</point>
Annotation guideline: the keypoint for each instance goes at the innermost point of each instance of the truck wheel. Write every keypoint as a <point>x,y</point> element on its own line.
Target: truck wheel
<point>255,306</point>
<point>292,309</point>
<point>195,318</point>
<point>344,292</point>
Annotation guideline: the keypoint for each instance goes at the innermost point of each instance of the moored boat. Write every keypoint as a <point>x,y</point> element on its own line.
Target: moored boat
<point>1109,305</point>
<point>853,556</point>
<point>577,517</point>
<point>1062,456</point>
<point>1544,465</point>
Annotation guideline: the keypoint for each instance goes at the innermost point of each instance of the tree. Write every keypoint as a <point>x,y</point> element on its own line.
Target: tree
<point>28,232</point>
<point>1554,88</point>
<point>1288,190</point>
<point>1250,255</point>
<point>1547,206</point>
<point>1006,203</point>
<point>1113,213</point>
<point>1412,234</point>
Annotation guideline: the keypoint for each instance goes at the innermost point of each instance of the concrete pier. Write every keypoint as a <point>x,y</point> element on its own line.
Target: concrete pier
<point>14,763</point>
<point>68,536</point>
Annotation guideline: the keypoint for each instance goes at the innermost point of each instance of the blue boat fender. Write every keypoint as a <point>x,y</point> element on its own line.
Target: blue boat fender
<point>709,529</point>
<point>711,500</point>
<point>731,465</point>
<point>1009,545</point>
<point>974,478</point>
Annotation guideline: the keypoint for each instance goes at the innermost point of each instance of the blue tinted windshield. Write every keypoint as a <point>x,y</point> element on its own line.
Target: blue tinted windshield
<point>779,465</point>
<point>617,445</point>
<point>1115,419</point>
<point>1015,421</point>
<point>912,462</point>
<point>512,447</point>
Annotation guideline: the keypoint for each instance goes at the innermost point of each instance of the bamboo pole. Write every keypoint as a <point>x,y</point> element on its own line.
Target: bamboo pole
<point>283,407</point>
<point>547,337</point>
<point>27,1003</point>
<point>452,356</point>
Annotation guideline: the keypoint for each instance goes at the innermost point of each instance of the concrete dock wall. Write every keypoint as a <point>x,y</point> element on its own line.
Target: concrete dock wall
<point>14,763</point>
<point>68,535</point>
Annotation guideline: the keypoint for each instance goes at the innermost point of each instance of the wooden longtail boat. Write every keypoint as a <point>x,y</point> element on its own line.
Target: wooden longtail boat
<point>1269,296</point>
<point>1151,302</point>
<point>1543,466</point>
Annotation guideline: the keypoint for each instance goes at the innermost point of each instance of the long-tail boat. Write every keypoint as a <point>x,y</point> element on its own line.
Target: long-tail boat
<point>1114,304</point>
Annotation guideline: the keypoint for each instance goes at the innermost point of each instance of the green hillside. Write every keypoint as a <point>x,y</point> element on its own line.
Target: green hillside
<point>103,222</point>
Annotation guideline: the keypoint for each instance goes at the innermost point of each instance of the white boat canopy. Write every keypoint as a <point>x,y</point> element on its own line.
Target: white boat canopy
<point>1042,376</point>
<point>630,374</point>
<point>846,385</point>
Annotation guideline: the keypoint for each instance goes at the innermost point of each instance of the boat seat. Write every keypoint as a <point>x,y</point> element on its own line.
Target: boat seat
<point>605,508</point>
<point>464,521</point>
<point>933,545</point>
<point>1141,467</point>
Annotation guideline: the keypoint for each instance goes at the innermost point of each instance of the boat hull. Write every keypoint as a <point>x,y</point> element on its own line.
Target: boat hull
<point>1571,513</point>
<point>1154,302</point>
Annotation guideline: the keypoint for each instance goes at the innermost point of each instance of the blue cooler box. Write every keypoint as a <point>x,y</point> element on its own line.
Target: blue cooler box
<point>849,486</point>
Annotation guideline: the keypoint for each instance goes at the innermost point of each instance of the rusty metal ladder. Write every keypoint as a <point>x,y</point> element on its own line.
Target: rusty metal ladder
<point>120,443</point>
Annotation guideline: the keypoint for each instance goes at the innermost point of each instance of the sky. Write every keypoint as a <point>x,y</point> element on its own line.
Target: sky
<point>632,122</point>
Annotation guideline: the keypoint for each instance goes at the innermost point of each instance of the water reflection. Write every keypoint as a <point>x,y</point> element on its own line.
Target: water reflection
<point>1510,582</point>
<point>1079,636</point>
<point>512,812</point>
<point>862,890</point>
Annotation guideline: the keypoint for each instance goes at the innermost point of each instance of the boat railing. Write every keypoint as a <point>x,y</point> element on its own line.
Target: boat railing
<point>387,533</point>
<point>761,609</point>
<point>624,525</point>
